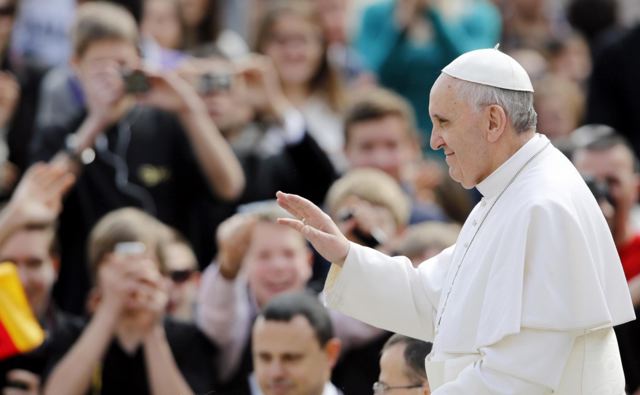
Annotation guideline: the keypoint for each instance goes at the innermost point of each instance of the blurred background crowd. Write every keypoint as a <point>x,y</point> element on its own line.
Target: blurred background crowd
<point>142,143</point>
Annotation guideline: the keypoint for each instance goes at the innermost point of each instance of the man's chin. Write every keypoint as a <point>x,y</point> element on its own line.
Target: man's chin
<point>459,179</point>
<point>279,389</point>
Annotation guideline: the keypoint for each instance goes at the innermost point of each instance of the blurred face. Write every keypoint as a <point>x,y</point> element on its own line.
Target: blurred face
<point>194,11</point>
<point>288,359</point>
<point>7,17</point>
<point>380,143</point>
<point>295,45</point>
<point>29,251</point>
<point>278,260</point>
<point>393,373</point>
<point>103,61</point>
<point>575,60</point>
<point>456,131</point>
<point>161,22</point>
<point>555,117</point>
<point>182,266</point>
<point>615,167</point>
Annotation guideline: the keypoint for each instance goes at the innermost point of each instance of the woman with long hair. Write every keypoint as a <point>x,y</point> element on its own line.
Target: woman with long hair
<point>291,34</point>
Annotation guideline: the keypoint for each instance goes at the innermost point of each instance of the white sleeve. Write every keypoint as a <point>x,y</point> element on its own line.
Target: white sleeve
<point>527,363</point>
<point>388,293</point>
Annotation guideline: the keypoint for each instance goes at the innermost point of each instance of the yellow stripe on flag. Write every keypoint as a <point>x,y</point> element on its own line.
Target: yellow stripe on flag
<point>15,313</point>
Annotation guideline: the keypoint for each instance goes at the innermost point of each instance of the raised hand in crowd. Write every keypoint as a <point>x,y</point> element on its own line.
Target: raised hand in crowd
<point>37,198</point>
<point>170,92</point>
<point>263,89</point>
<point>234,237</point>
<point>133,292</point>
<point>316,226</point>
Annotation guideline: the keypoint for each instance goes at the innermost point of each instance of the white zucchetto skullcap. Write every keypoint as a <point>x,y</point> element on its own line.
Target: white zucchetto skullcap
<point>490,67</point>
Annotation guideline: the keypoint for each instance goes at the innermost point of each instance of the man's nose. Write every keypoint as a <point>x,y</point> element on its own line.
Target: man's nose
<point>276,369</point>
<point>435,140</point>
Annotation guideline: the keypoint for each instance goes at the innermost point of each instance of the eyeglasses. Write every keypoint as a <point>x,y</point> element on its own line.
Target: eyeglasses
<point>180,276</point>
<point>382,388</point>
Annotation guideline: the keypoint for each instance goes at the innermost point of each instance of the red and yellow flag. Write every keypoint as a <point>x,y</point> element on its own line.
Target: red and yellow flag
<point>19,329</point>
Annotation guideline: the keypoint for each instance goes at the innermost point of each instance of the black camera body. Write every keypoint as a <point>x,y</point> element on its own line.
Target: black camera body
<point>213,82</point>
<point>135,81</point>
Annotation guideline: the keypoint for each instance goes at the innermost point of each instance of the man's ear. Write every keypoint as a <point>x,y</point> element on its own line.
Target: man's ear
<point>497,122</point>
<point>332,349</point>
<point>55,261</point>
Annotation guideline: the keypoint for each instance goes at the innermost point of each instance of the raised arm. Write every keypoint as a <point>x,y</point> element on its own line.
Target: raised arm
<point>223,313</point>
<point>37,198</point>
<point>217,161</point>
<point>367,285</point>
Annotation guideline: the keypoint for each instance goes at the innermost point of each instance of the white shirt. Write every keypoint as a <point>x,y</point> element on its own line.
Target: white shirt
<point>329,388</point>
<point>534,271</point>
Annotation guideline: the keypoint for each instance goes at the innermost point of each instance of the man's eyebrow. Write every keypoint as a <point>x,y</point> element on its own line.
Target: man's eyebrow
<point>439,117</point>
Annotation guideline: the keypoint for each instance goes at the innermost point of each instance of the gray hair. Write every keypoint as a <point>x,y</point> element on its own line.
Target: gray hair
<point>518,105</point>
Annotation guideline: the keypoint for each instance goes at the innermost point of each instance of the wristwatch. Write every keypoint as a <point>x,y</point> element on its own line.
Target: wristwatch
<point>84,157</point>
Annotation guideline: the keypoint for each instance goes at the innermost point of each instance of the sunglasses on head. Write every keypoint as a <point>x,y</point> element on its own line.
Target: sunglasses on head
<point>8,10</point>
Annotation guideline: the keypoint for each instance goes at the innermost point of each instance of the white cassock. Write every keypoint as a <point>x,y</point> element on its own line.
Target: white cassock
<point>523,303</point>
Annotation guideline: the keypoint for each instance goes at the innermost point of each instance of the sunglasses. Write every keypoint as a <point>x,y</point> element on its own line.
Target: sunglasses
<point>181,276</point>
<point>8,10</point>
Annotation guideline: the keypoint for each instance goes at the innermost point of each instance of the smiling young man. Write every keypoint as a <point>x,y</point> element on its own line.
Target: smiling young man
<point>526,300</point>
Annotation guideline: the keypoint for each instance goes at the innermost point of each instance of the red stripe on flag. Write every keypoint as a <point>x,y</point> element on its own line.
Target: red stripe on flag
<point>7,347</point>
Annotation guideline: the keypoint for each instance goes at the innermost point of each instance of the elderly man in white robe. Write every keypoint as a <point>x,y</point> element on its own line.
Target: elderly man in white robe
<point>525,301</point>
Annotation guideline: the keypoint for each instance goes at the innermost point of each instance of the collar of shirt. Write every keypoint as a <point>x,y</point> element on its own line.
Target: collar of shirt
<point>329,388</point>
<point>497,181</point>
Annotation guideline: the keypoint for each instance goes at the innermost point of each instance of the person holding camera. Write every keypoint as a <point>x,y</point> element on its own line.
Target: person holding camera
<point>127,345</point>
<point>610,161</point>
<point>246,102</point>
<point>146,140</point>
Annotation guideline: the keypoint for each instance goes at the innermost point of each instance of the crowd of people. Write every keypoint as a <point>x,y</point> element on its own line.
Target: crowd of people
<point>143,142</point>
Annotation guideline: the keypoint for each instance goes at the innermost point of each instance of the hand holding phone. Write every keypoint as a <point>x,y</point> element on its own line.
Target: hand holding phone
<point>135,81</point>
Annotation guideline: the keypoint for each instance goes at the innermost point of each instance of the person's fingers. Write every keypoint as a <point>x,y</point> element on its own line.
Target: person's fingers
<point>308,231</point>
<point>329,245</point>
<point>24,376</point>
<point>347,226</point>
<point>66,182</point>
<point>16,391</point>
<point>49,176</point>
<point>292,223</point>
<point>299,207</point>
<point>35,172</point>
